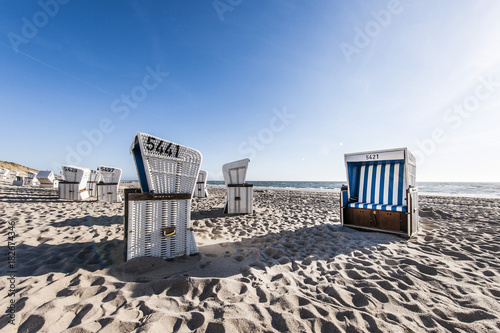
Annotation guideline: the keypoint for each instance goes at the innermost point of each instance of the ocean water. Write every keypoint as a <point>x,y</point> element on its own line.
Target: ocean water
<point>482,190</point>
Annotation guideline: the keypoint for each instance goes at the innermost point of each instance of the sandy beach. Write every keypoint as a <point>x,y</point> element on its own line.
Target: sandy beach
<point>290,267</point>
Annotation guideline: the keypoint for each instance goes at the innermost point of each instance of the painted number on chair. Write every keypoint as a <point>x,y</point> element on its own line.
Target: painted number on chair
<point>69,169</point>
<point>372,157</point>
<point>161,147</point>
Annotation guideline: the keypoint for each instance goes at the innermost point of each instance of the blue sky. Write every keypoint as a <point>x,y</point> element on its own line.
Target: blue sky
<point>291,84</point>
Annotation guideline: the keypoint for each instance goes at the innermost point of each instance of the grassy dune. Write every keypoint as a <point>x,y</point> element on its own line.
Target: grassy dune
<point>15,166</point>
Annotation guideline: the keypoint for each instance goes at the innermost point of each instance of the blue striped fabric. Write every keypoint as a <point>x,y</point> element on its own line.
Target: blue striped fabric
<point>381,184</point>
<point>345,198</point>
<point>392,208</point>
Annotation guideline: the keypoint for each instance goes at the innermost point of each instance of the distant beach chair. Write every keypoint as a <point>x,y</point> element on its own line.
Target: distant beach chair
<point>107,188</point>
<point>31,179</point>
<point>4,173</point>
<point>158,220</point>
<point>239,194</point>
<point>200,190</point>
<point>20,179</point>
<point>74,185</point>
<point>381,193</point>
<point>47,179</point>
<point>94,178</point>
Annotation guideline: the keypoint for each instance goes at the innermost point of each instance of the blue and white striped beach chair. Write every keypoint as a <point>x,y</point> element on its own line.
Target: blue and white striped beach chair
<point>381,193</point>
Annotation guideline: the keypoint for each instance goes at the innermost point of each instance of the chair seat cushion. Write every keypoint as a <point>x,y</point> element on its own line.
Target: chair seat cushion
<point>392,208</point>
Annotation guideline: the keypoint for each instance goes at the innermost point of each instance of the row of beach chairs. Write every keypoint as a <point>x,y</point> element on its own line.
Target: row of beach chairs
<point>77,183</point>
<point>380,194</point>
<point>81,183</point>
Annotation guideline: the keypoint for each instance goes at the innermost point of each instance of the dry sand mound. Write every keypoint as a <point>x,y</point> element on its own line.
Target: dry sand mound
<point>290,267</point>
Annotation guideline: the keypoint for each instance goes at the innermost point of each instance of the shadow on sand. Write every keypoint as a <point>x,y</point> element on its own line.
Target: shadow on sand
<point>223,259</point>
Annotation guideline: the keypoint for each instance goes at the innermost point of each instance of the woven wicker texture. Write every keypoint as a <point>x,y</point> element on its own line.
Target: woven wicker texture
<point>168,168</point>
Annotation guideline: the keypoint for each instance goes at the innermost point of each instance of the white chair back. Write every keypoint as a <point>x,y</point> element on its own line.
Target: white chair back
<point>164,166</point>
<point>110,174</point>
<point>74,174</point>
<point>235,172</point>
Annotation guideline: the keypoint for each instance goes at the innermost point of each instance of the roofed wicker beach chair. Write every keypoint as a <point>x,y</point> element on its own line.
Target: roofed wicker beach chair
<point>381,193</point>
<point>47,179</point>
<point>20,179</point>
<point>74,185</point>
<point>107,188</point>
<point>239,194</point>
<point>200,190</point>
<point>94,178</point>
<point>31,179</point>
<point>4,173</point>
<point>158,216</point>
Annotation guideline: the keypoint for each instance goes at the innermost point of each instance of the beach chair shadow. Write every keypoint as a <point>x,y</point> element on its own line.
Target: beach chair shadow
<point>23,194</point>
<point>223,259</point>
<point>70,256</point>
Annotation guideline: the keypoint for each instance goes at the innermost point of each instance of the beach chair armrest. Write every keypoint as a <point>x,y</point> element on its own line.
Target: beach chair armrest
<point>344,198</point>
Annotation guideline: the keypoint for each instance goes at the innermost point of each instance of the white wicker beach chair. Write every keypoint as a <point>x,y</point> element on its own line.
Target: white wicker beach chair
<point>4,173</point>
<point>47,179</point>
<point>158,220</point>
<point>94,178</point>
<point>107,188</point>
<point>381,193</point>
<point>31,179</point>
<point>74,185</point>
<point>239,194</point>
<point>20,179</point>
<point>200,190</point>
